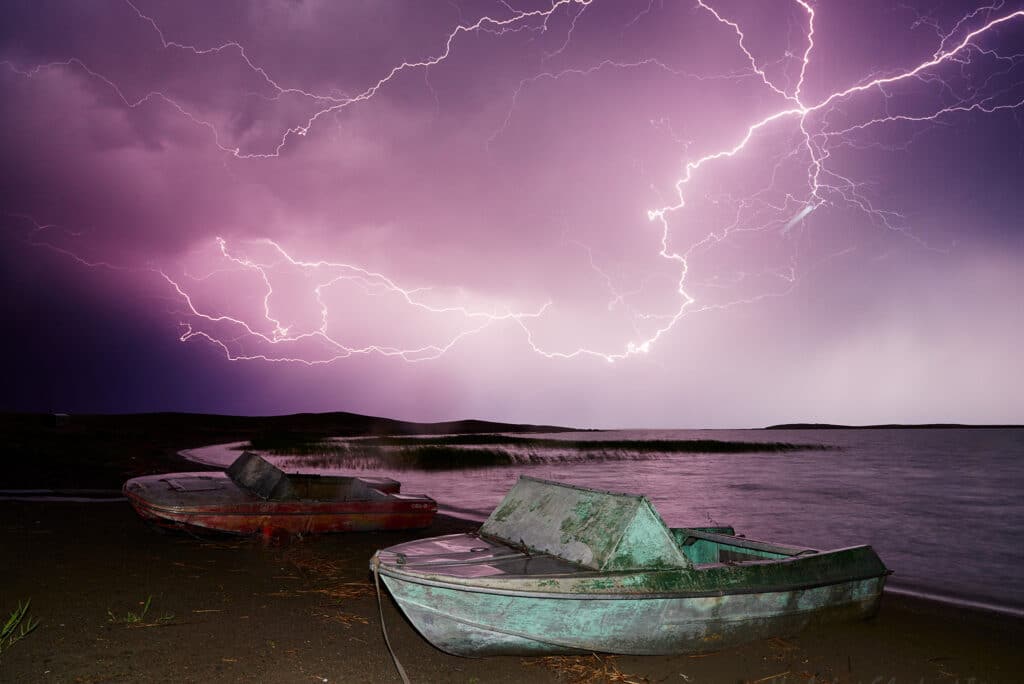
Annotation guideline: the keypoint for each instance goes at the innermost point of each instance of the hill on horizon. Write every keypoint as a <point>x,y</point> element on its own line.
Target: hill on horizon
<point>887,426</point>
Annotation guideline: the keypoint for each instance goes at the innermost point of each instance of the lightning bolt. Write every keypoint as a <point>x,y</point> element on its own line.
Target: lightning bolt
<point>809,120</point>
<point>803,213</point>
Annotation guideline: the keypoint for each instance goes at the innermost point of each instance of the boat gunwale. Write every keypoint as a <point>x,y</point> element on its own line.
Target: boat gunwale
<point>326,508</point>
<point>786,551</point>
<point>417,578</point>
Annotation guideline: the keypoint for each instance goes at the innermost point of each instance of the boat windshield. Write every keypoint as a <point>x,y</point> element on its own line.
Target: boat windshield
<point>599,530</point>
<point>254,473</point>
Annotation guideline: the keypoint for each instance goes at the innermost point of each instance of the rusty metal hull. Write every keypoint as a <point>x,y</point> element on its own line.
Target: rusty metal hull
<point>212,501</point>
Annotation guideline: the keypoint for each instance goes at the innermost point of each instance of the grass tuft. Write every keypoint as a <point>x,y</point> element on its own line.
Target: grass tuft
<point>131,618</point>
<point>18,626</point>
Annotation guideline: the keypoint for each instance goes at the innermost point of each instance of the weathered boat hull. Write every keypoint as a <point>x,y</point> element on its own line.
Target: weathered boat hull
<point>558,569</point>
<point>212,502</point>
<point>474,623</point>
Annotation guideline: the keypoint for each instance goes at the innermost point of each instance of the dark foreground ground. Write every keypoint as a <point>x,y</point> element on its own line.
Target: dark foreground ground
<point>238,611</point>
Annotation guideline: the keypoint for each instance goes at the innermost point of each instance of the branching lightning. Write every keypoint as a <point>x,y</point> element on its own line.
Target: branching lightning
<point>271,336</point>
<point>328,274</point>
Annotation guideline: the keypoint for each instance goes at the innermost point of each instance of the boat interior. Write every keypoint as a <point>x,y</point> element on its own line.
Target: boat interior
<point>478,555</point>
<point>709,545</point>
<point>252,472</point>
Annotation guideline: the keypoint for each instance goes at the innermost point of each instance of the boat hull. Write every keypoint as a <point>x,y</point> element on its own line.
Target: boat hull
<point>212,502</point>
<point>560,569</point>
<point>471,623</point>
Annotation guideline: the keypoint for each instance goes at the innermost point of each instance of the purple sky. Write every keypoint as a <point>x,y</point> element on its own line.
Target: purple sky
<point>597,213</point>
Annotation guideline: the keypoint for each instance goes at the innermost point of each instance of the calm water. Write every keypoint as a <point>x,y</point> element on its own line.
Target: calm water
<point>943,508</point>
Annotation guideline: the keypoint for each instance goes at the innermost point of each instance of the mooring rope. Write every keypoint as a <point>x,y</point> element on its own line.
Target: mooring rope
<point>380,606</point>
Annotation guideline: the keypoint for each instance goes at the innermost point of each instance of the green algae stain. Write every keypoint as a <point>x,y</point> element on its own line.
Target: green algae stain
<point>572,524</point>
<point>598,584</point>
<point>504,512</point>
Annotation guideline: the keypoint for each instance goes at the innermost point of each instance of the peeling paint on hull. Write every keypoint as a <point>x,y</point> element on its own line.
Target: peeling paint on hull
<point>472,624</point>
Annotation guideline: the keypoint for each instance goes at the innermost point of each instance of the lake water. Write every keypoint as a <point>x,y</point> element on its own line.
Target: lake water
<point>943,507</point>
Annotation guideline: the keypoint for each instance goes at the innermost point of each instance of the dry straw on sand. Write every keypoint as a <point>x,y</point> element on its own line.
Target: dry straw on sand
<point>592,669</point>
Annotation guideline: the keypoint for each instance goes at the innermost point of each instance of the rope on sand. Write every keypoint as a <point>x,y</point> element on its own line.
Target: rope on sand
<point>383,629</point>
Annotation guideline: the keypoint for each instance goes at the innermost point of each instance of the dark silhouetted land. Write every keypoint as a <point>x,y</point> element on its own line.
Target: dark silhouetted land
<point>888,426</point>
<point>98,451</point>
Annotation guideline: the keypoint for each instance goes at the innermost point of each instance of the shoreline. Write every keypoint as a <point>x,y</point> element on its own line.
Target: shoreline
<point>227,609</point>
<point>219,455</point>
<point>473,519</point>
<point>953,602</point>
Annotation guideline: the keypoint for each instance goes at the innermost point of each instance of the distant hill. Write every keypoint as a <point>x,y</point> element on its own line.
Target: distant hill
<point>102,451</point>
<point>336,424</point>
<point>890,426</point>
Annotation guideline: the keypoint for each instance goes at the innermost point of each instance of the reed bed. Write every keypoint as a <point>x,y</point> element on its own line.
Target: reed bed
<point>460,452</point>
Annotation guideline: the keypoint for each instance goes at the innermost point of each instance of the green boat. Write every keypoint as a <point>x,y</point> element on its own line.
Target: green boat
<point>558,569</point>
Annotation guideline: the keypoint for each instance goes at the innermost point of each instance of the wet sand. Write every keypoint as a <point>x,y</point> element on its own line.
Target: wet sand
<point>225,610</point>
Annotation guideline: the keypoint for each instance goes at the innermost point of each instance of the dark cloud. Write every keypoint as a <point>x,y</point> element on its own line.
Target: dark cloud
<point>518,172</point>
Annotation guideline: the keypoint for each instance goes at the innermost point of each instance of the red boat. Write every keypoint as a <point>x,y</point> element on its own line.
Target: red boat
<point>255,497</point>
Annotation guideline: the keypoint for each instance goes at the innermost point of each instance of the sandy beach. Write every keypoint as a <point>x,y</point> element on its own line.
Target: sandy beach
<point>306,610</point>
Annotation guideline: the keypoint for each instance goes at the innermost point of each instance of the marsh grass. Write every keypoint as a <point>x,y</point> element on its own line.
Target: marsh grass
<point>18,626</point>
<point>689,446</point>
<point>459,452</point>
